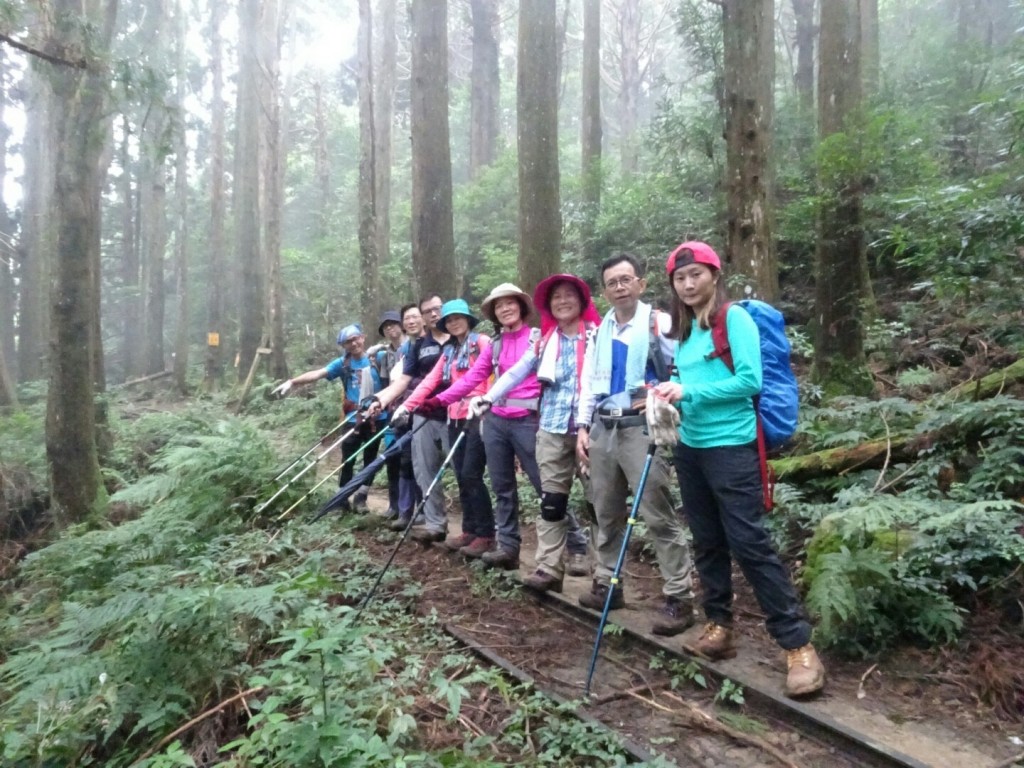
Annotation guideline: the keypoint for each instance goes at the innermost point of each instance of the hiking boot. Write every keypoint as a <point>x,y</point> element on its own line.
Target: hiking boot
<point>598,594</point>
<point>674,615</point>
<point>543,581</point>
<point>427,535</point>
<point>501,558</point>
<point>716,642</point>
<point>477,546</point>
<point>359,503</point>
<point>455,543</point>
<point>391,514</point>
<point>806,672</point>
<point>399,524</point>
<point>578,565</point>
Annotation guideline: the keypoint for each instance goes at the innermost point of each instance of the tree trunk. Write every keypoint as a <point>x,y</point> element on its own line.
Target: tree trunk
<point>803,12</point>
<point>540,218</point>
<point>274,23</point>
<point>321,164</point>
<point>79,114</point>
<point>247,189</point>
<point>7,302</point>
<point>839,362</point>
<point>370,287</point>
<point>748,28</point>
<point>629,84</point>
<point>36,254</point>
<point>590,125</point>
<point>8,395</point>
<point>181,328</point>
<point>215,327</point>
<point>433,239</point>
<point>485,86</point>
<point>870,51</point>
<point>152,210</point>
<point>384,116</point>
<point>131,293</point>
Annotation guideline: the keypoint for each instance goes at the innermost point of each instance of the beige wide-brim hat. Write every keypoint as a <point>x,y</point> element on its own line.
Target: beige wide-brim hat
<point>505,290</point>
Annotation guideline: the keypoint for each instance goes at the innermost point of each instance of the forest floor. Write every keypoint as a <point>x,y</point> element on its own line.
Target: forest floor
<point>948,707</point>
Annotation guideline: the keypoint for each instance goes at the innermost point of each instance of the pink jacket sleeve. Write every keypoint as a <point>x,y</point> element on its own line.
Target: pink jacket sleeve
<point>428,385</point>
<point>478,373</point>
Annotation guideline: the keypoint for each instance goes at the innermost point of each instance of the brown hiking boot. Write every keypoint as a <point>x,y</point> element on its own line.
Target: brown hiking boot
<point>543,581</point>
<point>427,535</point>
<point>674,615</point>
<point>477,547</point>
<point>806,672</point>
<point>598,594</point>
<point>501,558</point>
<point>455,543</point>
<point>716,642</point>
<point>578,565</point>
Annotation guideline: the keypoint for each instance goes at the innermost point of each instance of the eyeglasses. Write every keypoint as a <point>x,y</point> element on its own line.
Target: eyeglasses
<point>624,282</point>
<point>431,310</point>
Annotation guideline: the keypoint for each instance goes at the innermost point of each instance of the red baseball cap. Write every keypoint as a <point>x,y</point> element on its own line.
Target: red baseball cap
<point>702,253</point>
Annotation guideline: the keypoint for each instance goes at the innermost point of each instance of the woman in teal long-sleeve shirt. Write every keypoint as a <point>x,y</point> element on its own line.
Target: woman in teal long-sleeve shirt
<point>718,466</point>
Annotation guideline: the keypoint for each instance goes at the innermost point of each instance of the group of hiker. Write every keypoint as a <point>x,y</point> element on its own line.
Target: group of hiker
<point>583,396</point>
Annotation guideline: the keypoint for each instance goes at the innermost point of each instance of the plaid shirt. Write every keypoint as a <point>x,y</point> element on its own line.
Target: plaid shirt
<point>558,399</point>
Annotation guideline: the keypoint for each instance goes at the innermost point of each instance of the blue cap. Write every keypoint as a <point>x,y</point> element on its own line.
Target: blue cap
<point>349,332</point>
<point>455,307</point>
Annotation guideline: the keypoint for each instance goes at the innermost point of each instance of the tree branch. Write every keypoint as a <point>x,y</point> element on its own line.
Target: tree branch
<point>80,64</point>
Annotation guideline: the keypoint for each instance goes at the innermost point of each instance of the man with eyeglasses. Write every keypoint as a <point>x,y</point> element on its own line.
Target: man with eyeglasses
<point>629,353</point>
<point>430,442</point>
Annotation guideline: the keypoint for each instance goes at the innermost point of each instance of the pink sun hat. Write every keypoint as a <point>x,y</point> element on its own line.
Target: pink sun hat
<point>541,300</point>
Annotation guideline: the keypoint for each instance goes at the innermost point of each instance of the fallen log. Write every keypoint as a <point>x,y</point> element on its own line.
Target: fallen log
<point>875,453</point>
<point>986,386</point>
<point>834,461</point>
<point>144,379</point>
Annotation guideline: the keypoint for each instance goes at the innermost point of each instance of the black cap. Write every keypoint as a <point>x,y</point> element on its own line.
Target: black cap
<point>391,316</point>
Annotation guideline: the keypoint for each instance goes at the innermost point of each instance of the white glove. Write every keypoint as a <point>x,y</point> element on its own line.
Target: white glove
<point>662,420</point>
<point>400,417</point>
<point>282,389</point>
<point>478,406</point>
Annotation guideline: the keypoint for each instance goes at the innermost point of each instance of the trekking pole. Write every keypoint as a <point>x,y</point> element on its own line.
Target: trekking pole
<point>630,522</point>
<point>412,519</point>
<point>335,471</point>
<point>306,469</point>
<point>317,444</point>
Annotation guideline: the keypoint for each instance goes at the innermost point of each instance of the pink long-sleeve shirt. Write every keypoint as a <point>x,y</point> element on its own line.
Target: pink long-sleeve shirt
<point>513,346</point>
<point>458,407</point>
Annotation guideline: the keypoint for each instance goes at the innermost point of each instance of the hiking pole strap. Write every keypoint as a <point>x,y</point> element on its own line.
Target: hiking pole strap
<point>631,522</point>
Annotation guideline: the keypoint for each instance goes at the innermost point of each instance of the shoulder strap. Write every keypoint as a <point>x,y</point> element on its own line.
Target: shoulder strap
<point>496,351</point>
<point>654,355</point>
<point>541,342</point>
<point>720,337</point>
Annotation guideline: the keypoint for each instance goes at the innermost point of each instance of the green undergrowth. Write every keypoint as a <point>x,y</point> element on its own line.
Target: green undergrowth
<point>905,552</point>
<point>115,636</point>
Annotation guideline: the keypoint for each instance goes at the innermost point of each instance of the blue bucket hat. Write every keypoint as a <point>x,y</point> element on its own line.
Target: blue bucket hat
<point>349,332</point>
<point>455,307</point>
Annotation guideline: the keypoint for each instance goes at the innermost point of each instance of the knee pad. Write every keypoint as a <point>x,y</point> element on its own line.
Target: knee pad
<point>553,506</point>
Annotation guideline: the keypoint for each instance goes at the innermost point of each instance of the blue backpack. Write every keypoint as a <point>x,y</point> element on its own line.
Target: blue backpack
<point>779,401</point>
